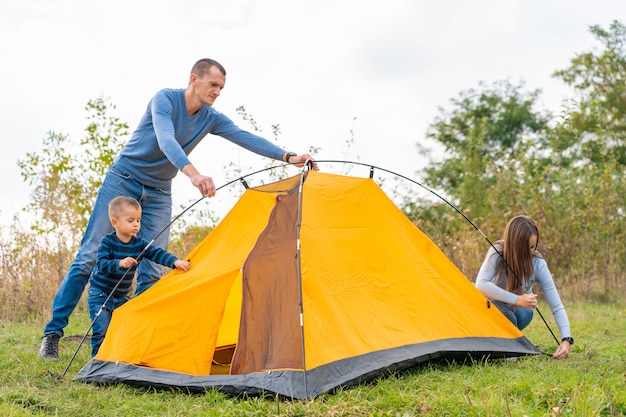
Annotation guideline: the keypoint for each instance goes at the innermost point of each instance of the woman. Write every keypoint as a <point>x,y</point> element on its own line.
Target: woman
<point>507,275</point>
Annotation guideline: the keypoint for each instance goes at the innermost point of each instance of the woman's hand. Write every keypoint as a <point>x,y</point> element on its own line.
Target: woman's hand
<point>563,351</point>
<point>527,301</point>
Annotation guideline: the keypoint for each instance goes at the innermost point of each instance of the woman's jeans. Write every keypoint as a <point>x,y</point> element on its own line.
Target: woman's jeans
<point>156,207</point>
<point>519,316</point>
<point>101,315</point>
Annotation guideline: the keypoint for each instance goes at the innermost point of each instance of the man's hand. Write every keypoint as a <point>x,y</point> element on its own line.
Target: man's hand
<point>300,160</point>
<point>204,184</point>
<point>201,182</point>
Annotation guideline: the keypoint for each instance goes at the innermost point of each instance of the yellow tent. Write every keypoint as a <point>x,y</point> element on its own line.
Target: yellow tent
<point>299,290</point>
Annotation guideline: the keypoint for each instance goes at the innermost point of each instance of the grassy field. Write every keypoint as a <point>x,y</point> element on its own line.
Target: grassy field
<point>591,382</point>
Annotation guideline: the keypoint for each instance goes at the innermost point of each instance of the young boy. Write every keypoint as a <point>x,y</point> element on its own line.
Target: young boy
<point>117,262</point>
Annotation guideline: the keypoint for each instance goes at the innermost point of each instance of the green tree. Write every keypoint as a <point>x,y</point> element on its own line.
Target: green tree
<point>66,177</point>
<point>599,80</point>
<point>482,139</point>
<point>501,157</point>
<point>597,117</point>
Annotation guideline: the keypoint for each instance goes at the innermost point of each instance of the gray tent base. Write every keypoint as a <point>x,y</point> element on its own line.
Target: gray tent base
<point>326,378</point>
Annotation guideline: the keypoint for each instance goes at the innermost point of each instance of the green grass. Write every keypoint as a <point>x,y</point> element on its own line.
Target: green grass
<point>591,382</point>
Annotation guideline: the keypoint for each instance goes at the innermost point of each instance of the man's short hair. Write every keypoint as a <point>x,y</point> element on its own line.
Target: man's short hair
<point>203,66</point>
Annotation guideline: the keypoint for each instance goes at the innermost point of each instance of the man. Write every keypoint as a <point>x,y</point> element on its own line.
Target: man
<point>175,121</point>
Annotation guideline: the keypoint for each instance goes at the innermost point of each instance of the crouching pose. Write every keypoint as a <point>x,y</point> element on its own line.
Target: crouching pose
<point>507,275</point>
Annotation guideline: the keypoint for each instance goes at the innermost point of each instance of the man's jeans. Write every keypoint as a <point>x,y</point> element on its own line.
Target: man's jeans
<point>156,207</point>
<point>101,315</point>
<point>519,316</point>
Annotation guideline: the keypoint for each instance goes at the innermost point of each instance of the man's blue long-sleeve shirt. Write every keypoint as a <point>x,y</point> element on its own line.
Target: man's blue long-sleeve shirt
<point>166,134</point>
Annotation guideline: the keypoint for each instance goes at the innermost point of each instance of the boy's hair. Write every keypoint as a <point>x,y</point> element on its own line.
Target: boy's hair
<point>119,203</point>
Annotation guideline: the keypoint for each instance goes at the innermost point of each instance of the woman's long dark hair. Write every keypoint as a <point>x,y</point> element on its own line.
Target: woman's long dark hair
<point>517,266</point>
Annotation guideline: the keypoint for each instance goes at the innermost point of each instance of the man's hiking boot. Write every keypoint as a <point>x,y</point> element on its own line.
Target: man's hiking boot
<point>50,347</point>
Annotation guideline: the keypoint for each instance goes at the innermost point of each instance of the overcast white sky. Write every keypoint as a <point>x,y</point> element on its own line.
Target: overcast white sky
<point>310,66</point>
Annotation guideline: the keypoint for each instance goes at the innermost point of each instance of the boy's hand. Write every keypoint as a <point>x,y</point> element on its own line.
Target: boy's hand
<point>128,262</point>
<point>182,265</point>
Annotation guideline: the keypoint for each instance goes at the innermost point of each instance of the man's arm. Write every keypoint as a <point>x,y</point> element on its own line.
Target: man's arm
<point>207,187</point>
<point>299,160</point>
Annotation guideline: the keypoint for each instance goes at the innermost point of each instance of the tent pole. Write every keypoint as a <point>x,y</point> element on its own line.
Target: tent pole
<point>299,274</point>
